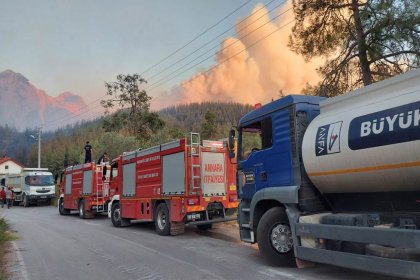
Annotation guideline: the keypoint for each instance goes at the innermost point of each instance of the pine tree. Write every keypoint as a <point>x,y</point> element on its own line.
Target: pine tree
<point>362,41</point>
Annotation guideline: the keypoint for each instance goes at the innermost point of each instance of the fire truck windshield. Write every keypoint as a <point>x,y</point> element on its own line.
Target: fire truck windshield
<point>39,180</point>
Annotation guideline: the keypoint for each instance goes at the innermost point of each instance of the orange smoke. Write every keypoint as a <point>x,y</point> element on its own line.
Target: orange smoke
<point>254,75</point>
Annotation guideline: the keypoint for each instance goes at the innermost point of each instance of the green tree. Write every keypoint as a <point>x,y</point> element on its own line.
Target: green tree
<point>362,41</point>
<point>209,127</point>
<point>133,105</point>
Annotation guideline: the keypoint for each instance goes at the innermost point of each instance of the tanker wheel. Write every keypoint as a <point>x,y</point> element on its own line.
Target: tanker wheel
<point>25,201</point>
<point>61,208</point>
<point>275,239</point>
<point>205,227</point>
<point>82,212</point>
<point>162,222</point>
<point>116,215</point>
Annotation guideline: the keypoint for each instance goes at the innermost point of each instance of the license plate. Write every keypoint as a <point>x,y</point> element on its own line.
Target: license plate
<point>44,196</point>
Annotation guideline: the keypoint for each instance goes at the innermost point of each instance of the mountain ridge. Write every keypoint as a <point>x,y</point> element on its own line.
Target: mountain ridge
<point>23,105</point>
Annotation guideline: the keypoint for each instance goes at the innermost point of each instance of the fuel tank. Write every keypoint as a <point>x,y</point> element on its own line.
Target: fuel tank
<point>367,140</point>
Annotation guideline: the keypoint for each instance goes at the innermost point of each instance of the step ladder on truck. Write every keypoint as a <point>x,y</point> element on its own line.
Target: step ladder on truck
<point>183,182</point>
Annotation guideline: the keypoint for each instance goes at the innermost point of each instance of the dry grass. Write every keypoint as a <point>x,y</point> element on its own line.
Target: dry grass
<point>5,237</point>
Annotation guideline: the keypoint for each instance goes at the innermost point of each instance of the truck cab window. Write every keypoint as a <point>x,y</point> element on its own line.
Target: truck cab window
<point>255,137</point>
<point>39,180</point>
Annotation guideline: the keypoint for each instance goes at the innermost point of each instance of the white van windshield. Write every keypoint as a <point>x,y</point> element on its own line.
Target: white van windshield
<point>39,180</point>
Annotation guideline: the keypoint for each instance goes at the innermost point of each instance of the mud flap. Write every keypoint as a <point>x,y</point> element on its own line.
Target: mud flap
<point>177,228</point>
<point>303,263</point>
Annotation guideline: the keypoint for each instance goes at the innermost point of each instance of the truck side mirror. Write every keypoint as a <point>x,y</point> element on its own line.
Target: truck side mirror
<point>231,144</point>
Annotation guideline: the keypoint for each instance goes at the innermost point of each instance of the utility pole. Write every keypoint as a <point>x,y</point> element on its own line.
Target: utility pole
<point>39,147</point>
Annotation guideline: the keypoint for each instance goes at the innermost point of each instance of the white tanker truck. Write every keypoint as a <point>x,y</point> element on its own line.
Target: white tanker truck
<point>336,180</point>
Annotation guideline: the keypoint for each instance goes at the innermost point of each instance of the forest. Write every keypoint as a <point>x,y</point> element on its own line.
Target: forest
<point>64,146</point>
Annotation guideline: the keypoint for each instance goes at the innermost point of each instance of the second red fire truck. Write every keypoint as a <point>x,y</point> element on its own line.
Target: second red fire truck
<point>174,184</point>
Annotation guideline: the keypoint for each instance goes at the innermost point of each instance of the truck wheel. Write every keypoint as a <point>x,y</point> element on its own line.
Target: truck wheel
<point>205,227</point>
<point>162,222</point>
<point>116,215</point>
<point>25,200</point>
<point>82,212</point>
<point>61,208</point>
<point>274,237</point>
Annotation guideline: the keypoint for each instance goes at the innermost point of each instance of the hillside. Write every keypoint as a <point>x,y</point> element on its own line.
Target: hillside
<point>192,115</point>
<point>64,146</point>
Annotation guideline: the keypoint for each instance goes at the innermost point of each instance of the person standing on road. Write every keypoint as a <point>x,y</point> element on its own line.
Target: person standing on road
<point>9,196</point>
<point>88,152</point>
<point>13,197</point>
<point>2,197</point>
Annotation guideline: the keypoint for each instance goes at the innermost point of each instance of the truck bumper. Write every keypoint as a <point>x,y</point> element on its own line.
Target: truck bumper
<point>100,207</point>
<point>220,220</point>
<point>35,198</point>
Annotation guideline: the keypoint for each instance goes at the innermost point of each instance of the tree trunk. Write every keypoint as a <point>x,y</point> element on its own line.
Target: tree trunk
<point>361,43</point>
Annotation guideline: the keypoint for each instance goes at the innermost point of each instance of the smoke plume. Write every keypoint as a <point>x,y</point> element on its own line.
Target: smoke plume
<point>249,69</point>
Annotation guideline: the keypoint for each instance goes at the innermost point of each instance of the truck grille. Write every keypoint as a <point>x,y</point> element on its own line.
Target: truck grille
<point>42,191</point>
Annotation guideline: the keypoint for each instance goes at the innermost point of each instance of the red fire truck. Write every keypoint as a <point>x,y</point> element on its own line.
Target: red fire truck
<point>86,188</point>
<point>174,184</point>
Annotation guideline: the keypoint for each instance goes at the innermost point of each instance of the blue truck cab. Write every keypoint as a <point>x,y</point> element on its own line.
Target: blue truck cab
<point>270,171</point>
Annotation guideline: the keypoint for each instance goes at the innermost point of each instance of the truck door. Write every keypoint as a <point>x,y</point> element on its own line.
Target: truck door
<point>255,142</point>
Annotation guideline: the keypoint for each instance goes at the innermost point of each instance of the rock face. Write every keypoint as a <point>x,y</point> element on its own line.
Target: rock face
<point>22,105</point>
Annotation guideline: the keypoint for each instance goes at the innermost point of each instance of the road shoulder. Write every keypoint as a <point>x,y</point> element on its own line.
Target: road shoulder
<point>15,267</point>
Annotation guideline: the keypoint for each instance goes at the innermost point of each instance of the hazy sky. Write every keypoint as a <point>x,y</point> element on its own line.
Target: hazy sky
<point>77,45</point>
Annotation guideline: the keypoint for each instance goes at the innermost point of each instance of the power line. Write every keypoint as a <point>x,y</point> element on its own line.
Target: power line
<point>69,114</point>
<point>90,117</point>
<point>224,61</point>
<point>162,81</point>
<point>195,38</point>
<point>52,123</point>
<point>48,124</point>
<point>166,78</point>
<point>218,36</point>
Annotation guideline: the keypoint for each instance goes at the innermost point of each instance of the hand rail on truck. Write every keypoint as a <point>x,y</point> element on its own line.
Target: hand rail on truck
<point>99,190</point>
<point>195,152</point>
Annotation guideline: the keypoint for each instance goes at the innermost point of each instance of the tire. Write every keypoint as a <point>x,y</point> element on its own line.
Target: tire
<point>25,201</point>
<point>274,238</point>
<point>205,227</point>
<point>162,221</point>
<point>116,215</point>
<point>61,208</point>
<point>82,210</point>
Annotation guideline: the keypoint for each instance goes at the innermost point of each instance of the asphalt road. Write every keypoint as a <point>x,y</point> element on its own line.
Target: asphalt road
<point>65,247</point>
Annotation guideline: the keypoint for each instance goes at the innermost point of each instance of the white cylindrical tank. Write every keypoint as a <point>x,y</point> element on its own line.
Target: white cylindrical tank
<point>367,140</point>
